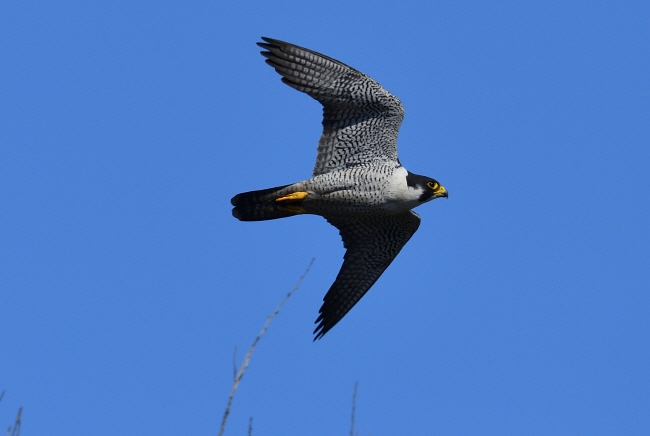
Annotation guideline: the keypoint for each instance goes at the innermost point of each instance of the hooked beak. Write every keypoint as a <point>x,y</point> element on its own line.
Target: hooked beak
<point>440,192</point>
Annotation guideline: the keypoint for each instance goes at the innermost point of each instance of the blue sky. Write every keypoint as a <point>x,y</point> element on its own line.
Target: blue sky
<point>521,306</point>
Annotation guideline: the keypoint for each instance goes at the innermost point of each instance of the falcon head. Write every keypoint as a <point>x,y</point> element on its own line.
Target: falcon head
<point>427,188</point>
<point>433,190</point>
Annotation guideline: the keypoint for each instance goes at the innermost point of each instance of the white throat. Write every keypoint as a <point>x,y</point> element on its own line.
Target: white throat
<point>399,195</point>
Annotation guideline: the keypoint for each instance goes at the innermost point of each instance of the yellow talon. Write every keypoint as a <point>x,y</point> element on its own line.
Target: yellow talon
<point>294,196</point>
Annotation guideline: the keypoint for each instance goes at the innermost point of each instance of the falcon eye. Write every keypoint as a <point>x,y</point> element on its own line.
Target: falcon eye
<point>432,185</point>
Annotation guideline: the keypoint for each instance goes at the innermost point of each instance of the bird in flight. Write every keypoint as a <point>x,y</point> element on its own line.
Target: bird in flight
<point>358,185</point>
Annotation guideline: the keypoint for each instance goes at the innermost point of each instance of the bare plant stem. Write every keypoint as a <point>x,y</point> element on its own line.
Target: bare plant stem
<point>16,430</point>
<point>244,364</point>
<point>354,407</point>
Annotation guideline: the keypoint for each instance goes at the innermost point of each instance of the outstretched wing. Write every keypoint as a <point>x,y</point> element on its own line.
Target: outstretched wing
<point>360,118</point>
<point>371,245</point>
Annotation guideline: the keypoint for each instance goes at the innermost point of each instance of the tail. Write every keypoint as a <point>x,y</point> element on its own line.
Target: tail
<point>261,205</point>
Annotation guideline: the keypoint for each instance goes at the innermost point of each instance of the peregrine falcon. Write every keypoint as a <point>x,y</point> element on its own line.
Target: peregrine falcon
<point>358,185</point>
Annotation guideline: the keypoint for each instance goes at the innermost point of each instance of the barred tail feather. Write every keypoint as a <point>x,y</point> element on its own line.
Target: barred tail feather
<point>259,205</point>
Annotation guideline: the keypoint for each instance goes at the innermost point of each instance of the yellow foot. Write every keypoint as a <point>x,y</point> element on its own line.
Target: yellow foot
<point>294,196</point>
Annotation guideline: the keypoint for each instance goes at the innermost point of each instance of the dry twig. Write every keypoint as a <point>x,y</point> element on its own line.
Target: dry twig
<point>354,407</point>
<point>244,364</point>
<point>16,430</point>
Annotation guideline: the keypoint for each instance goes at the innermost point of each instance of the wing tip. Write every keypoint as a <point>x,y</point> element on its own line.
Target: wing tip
<point>325,322</point>
<point>320,331</point>
<point>270,43</point>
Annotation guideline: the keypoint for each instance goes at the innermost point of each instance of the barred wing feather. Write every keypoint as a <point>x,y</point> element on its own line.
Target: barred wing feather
<point>360,118</point>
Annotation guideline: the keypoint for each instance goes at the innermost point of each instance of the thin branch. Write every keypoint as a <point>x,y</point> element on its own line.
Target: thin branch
<point>250,427</point>
<point>354,407</point>
<point>16,429</point>
<point>244,364</point>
